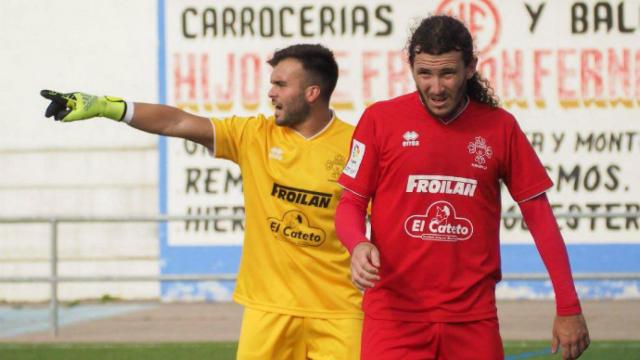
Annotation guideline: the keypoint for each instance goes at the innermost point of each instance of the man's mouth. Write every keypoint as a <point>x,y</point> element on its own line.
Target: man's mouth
<point>438,100</point>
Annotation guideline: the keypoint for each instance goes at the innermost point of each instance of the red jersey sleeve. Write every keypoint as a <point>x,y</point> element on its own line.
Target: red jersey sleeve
<point>360,173</point>
<point>351,219</point>
<point>542,224</point>
<point>524,174</point>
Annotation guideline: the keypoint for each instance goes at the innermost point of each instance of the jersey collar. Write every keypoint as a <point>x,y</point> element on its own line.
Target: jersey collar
<point>322,131</point>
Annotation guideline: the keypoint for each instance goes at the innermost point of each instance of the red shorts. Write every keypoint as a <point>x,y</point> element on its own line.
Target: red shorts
<point>473,340</point>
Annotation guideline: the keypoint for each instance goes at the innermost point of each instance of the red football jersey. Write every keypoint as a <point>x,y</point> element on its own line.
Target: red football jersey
<point>435,216</point>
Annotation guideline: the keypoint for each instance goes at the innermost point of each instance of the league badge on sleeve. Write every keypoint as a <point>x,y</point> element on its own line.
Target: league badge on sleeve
<point>357,154</point>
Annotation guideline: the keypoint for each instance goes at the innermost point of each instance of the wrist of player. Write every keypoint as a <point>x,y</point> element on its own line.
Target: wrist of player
<point>569,309</point>
<point>117,109</point>
<point>362,240</point>
<point>112,107</point>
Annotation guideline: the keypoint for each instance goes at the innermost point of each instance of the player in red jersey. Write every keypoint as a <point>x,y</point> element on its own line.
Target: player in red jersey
<point>432,162</point>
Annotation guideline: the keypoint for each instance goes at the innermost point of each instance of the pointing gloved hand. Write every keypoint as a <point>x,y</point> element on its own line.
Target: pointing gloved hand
<point>80,106</point>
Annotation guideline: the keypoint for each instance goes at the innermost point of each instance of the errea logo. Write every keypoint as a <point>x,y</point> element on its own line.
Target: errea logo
<point>276,153</point>
<point>410,139</point>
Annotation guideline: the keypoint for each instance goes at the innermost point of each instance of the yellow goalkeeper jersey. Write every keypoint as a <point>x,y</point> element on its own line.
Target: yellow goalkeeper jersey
<point>292,261</point>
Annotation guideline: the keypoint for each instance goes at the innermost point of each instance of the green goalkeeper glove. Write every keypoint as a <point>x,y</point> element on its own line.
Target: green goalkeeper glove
<point>80,106</point>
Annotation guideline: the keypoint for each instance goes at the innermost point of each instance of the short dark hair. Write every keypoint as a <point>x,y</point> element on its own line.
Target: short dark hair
<point>439,34</point>
<point>317,60</point>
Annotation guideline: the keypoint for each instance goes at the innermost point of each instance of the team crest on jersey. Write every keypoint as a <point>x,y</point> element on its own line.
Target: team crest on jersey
<point>294,228</point>
<point>439,223</point>
<point>357,154</point>
<point>335,166</point>
<point>410,139</point>
<point>276,153</point>
<point>481,151</point>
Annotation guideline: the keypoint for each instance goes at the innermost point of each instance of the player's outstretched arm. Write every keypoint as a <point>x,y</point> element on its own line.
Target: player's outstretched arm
<point>152,118</point>
<point>171,121</point>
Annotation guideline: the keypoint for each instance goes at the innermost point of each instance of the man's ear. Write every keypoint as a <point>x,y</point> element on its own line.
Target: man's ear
<point>312,93</point>
<point>471,68</point>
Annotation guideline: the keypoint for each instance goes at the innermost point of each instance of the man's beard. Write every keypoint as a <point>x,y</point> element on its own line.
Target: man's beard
<point>461,103</point>
<point>296,115</point>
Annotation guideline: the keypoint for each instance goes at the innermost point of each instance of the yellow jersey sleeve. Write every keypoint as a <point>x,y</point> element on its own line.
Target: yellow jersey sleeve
<point>230,133</point>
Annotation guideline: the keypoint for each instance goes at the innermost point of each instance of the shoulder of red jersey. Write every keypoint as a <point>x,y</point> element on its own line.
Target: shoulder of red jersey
<point>391,107</point>
<point>494,113</point>
<point>394,103</point>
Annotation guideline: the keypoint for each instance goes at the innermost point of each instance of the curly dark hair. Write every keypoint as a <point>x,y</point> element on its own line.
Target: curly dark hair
<point>317,60</point>
<point>439,34</point>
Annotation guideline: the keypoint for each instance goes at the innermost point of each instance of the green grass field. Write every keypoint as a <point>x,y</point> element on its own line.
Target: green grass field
<point>530,350</point>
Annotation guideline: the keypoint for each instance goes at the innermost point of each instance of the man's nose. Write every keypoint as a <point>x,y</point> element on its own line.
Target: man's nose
<point>436,85</point>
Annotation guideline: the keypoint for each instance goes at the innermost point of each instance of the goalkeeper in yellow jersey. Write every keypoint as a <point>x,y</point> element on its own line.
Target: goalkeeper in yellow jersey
<point>294,279</point>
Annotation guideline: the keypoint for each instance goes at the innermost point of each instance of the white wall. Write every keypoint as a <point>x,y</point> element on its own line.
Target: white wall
<point>88,168</point>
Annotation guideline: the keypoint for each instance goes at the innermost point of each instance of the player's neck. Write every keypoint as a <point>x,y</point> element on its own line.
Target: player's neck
<point>462,105</point>
<point>459,109</point>
<point>315,123</point>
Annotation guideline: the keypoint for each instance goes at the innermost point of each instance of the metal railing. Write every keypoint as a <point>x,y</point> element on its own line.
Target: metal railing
<point>54,279</point>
